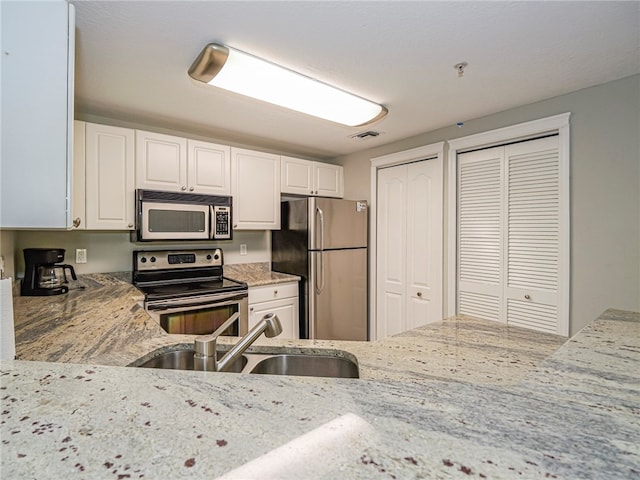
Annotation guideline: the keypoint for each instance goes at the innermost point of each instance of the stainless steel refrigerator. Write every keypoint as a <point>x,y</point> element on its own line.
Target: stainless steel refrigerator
<point>324,241</point>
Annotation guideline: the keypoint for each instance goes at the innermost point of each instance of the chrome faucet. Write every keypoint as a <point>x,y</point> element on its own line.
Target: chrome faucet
<point>205,345</point>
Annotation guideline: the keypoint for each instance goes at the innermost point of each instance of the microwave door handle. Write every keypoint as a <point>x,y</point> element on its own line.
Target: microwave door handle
<point>212,219</point>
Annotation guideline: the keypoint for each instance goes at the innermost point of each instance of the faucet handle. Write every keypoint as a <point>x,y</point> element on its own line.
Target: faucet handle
<point>205,345</point>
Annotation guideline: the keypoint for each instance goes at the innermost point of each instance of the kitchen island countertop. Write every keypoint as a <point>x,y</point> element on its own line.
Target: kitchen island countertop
<point>573,415</point>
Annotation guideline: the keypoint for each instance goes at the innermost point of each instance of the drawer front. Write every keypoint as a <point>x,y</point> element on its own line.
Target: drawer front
<point>266,293</point>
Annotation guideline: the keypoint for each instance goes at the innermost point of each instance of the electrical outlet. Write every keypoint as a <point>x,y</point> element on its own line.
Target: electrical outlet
<point>243,249</point>
<point>81,255</point>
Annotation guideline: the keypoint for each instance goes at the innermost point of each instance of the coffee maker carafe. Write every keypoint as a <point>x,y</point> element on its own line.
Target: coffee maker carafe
<point>44,274</point>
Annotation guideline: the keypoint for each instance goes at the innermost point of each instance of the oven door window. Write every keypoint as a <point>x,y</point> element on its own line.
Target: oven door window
<point>201,321</point>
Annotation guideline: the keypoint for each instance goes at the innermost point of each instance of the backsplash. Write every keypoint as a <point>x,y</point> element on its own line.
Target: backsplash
<point>112,251</point>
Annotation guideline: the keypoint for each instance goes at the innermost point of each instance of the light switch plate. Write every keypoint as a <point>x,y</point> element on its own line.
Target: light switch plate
<point>243,249</point>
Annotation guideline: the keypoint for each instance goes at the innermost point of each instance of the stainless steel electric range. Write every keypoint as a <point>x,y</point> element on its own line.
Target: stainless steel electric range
<point>185,291</point>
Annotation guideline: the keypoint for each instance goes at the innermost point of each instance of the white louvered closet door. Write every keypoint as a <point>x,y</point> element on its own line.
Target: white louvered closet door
<point>509,234</point>
<point>480,243</point>
<point>533,234</point>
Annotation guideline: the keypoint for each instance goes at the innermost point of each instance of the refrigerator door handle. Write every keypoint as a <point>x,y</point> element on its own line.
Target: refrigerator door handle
<point>320,284</point>
<point>320,213</point>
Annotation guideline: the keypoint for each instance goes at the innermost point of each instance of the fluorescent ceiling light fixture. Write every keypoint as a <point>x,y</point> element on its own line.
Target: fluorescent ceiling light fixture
<point>245,74</point>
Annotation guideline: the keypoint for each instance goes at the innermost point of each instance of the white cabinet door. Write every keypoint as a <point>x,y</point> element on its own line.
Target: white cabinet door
<point>37,114</point>
<point>287,312</point>
<point>110,188</point>
<point>306,177</point>
<point>281,299</point>
<point>208,168</point>
<point>255,186</point>
<point>79,179</point>
<point>161,162</point>
<point>297,176</point>
<point>409,257</point>
<point>329,180</point>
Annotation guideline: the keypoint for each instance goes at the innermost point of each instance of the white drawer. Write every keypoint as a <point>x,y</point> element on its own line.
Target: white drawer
<point>265,293</point>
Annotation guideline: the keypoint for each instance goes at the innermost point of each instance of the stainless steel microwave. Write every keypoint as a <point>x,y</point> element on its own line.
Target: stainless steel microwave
<point>167,216</point>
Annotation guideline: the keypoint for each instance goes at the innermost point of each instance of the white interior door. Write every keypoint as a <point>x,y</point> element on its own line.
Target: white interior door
<point>480,243</point>
<point>532,235</point>
<point>391,253</point>
<point>509,234</point>
<point>424,243</point>
<point>409,247</point>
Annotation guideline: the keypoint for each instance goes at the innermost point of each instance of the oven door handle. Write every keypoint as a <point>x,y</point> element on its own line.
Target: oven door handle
<point>178,306</point>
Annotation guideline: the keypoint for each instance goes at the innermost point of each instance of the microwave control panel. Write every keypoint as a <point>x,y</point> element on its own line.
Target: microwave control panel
<point>222,222</point>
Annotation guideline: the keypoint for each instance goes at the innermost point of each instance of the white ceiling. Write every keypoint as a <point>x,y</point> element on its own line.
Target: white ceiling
<point>132,60</point>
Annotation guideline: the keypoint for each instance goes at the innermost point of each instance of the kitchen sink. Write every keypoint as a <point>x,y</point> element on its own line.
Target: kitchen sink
<point>307,365</point>
<point>298,364</point>
<point>183,360</point>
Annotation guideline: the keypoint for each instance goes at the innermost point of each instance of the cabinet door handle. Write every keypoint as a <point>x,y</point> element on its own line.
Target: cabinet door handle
<point>76,222</point>
<point>275,293</point>
<point>183,188</point>
<point>131,225</point>
<point>191,189</point>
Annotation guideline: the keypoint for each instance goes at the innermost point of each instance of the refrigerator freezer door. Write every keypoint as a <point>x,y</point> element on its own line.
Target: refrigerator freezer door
<point>335,223</point>
<point>338,294</point>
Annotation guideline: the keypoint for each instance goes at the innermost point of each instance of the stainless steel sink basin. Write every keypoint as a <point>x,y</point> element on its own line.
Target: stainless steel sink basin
<point>299,364</point>
<point>308,365</point>
<point>183,360</point>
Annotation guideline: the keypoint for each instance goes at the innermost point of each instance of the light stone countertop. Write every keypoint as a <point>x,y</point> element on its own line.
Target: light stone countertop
<point>503,411</point>
<point>257,274</point>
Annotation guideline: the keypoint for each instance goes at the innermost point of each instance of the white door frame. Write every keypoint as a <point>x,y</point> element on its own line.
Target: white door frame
<point>434,152</point>
<point>556,124</point>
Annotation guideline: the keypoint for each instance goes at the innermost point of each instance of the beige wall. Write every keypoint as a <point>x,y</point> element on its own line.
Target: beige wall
<point>605,188</point>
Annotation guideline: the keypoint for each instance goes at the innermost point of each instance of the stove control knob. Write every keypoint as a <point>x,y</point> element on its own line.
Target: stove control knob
<point>143,260</point>
<point>216,257</point>
<point>153,259</point>
<point>208,257</point>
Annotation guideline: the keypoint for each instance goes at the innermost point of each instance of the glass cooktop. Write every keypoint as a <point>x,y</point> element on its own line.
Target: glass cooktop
<point>188,289</point>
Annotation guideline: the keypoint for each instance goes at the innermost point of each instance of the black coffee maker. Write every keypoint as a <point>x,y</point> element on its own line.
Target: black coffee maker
<point>43,273</point>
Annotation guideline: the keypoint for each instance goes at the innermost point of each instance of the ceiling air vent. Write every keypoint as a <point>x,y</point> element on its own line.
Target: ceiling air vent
<point>365,135</point>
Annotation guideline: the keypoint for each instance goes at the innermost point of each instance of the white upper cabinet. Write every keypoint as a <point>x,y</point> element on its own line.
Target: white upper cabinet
<point>208,168</point>
<point>37,114</point>
<point>161,162</point>
<point>255,186</point>
<point>165,162</point>
<point>297,176</point>
<point>329,180</point>
<point>110,186</point>
<point>306,177</point>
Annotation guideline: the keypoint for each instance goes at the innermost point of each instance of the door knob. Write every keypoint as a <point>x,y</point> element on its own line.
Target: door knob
<point>420,294</point>
<point>527,297</point>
